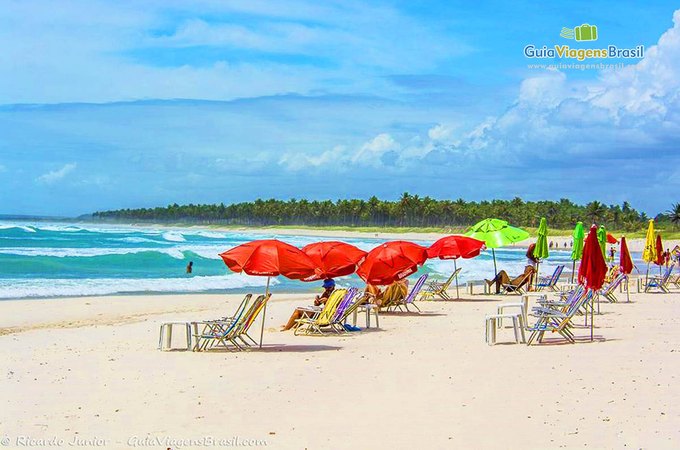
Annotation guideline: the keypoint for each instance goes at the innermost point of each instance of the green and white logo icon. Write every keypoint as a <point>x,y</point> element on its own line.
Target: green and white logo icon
<point>583,32</point>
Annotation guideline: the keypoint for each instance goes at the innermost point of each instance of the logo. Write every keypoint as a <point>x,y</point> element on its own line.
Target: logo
<point>583,32</point>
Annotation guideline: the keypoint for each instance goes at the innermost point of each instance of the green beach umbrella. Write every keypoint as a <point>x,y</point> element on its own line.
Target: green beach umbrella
<point>602,239</point>
<point>496,233</point>
<point>579,236</point>
<point>541,248</point>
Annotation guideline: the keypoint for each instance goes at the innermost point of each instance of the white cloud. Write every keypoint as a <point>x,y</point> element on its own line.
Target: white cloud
<point>56,175</point>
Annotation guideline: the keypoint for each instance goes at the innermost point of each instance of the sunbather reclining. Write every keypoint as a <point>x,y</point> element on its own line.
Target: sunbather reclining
<point>504,279</point>
<point>307,311</point>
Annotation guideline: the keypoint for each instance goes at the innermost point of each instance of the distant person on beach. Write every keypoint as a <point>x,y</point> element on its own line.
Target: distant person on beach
<point>612,252</point>
<point>565,244</point>
<point>190,267</point>
<point>319,300</point>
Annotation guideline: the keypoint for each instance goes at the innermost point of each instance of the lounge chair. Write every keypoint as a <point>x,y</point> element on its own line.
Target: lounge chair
<point>662,282</point>
<point>518,286</point>
<point>436,288</point>
<point>410,298</point>
<point>242,331</point>
<point>609,291</point>
<point>321,318</point>
<point>557,319</point>
<point>220,333</point>
<point>550,282</point>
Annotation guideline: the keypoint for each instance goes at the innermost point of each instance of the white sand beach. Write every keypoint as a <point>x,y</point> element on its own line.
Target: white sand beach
<point>88,369</point>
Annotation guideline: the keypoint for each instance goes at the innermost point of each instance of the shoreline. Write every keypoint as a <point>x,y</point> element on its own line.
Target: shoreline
<point>635,244</point>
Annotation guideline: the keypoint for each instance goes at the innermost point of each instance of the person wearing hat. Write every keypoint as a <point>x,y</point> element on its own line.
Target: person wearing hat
<point>328,288</point>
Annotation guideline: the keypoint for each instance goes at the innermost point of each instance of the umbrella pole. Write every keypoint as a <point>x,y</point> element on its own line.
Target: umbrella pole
<point>627,288</point>
<point>538,265</point>
<point>455,269</point>
<point>647,276</point>
<point>264,312</point>
<point>495,270</point>
<point>592,317</point>
<point>573,269</point>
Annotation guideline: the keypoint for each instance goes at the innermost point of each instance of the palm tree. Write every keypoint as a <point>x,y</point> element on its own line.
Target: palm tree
<point>674,214</point>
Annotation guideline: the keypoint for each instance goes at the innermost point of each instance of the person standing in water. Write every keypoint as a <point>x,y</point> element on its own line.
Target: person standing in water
<point>190,267</point>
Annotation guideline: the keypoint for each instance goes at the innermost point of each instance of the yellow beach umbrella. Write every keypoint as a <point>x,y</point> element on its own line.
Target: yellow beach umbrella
<point>649,254</point>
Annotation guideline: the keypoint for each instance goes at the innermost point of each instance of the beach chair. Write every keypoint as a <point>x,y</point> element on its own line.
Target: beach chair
<point>239,310</point>
<point>558,319</point>
<point>519,287</point>
<point>550,282</point>
<point>322,318</point>
<point>410,298</point>
<point>609,292</point>
<point>242,331</point>
<point>436,288</point>
<point>218,333</point>
<point>660,283</point>
<point>345,307</point>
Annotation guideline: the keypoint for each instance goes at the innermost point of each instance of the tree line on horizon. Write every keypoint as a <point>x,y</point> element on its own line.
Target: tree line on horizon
<point>408,211</point>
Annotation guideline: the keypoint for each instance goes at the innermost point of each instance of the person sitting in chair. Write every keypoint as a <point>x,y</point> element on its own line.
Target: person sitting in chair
<point>502,278</point>
<point>319,300</point>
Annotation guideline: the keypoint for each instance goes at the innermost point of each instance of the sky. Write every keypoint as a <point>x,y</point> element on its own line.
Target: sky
<point>107,105</point>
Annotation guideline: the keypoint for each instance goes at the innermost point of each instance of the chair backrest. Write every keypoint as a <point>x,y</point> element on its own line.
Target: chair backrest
<point>243,305</point>
<point>242,316</point>
<point>358,301</point>
<point>614,284</point>
<point>448,282</point>
<point>416,289</point>
<point>344,304</point>
<point>667,274</point>
<point>393,295</point>
<point>254,311</point>
<point>556,275</point>
<point>328,311</point>
<point>577,298</point>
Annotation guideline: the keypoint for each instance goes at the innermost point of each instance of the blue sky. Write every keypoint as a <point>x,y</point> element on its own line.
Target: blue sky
<point>111,104</point>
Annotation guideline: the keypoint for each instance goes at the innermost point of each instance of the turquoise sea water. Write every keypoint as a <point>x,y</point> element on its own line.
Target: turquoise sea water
<point>56,259</point>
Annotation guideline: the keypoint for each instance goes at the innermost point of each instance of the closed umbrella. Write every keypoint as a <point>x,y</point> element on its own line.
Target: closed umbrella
<point>391,261</point>
<point>334,258</point>
<point>625,263</point>
<point>496,233</point>
<point>454,247</point>
<point>649,254</point>
<point>541,248</point>
<point>593,268</point>
<point>602,239</point>
<point>270,258</point>
<point>660,257</point>
<point>578,236</point>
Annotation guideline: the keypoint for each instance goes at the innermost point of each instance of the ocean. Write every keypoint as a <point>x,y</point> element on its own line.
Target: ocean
<point>39,259</point>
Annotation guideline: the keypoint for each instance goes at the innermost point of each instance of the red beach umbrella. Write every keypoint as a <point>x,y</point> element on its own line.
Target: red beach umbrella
<point>333,258</point>
<point>625,260</point>
<point>454,247</point>
<point>625,263</point>
<point>270,258</point>
<point>611,239</point>
<point>660,257</point>
<point>593,268</point>
<point>391,261</point>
